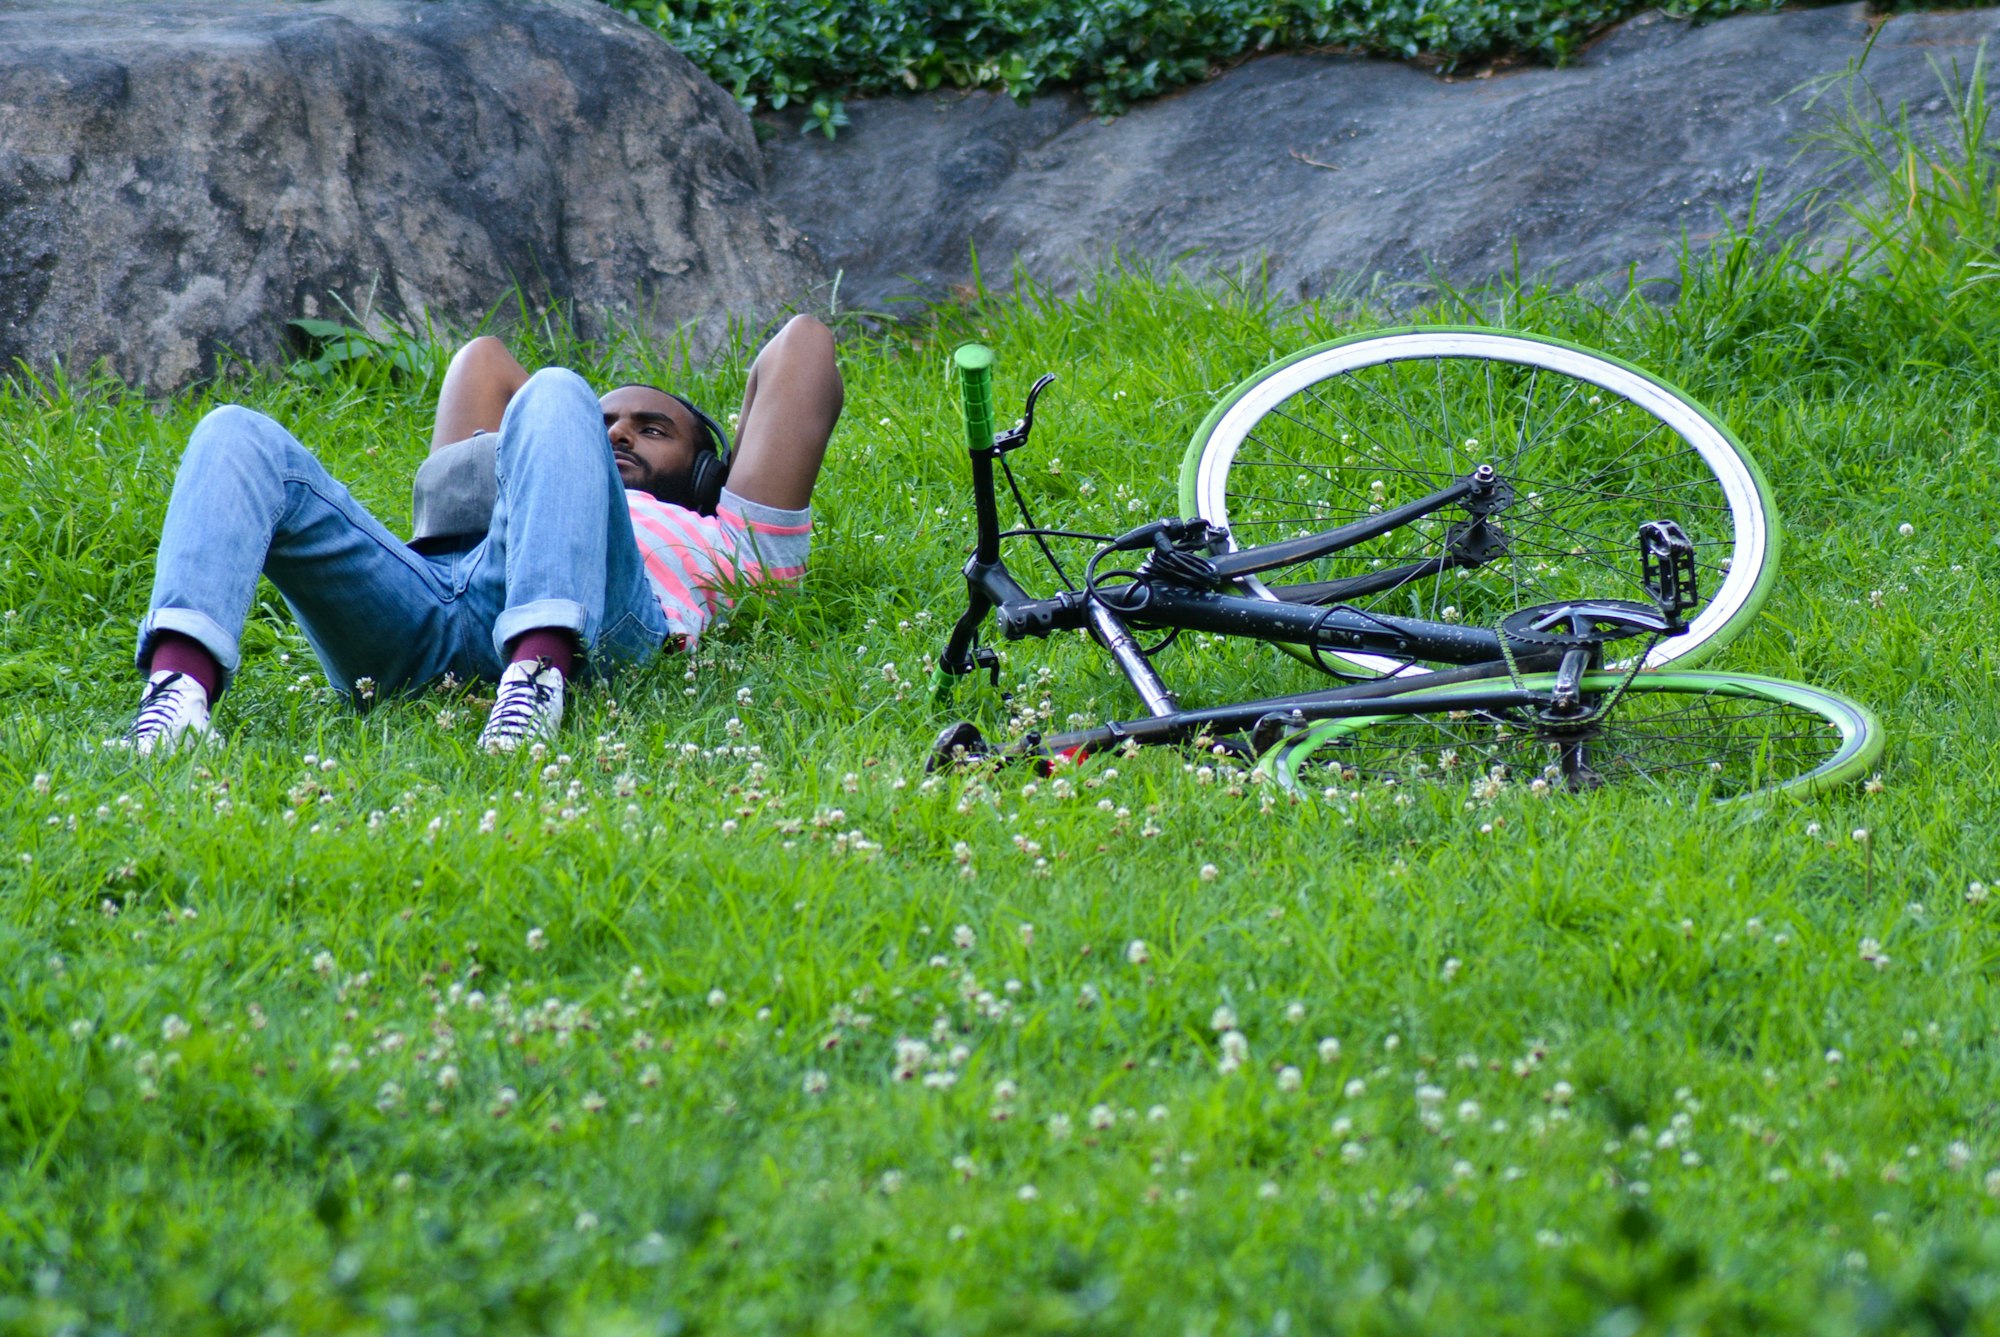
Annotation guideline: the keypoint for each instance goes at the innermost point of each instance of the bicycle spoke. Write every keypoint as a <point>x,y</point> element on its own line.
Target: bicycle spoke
<point>1370,436</point>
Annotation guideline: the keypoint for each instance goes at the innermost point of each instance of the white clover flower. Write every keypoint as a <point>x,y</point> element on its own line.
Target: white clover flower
<point>174,1029</point>
<point>585,1222</point>
<point>1222,1019</point>
<point>1102,1117</point>
<point>1005,1092</point>
<point>1906,529</point>
<point>1295,1013</point>
<point>1452,965</point>
<point>1329,1050</point>
<point>1137,952</point>
<point>1355,1089</point>
<point>1267,1190</point>
<point>1027,1193</point>
<point>1235,1046</point>
<point>593,1102</point>
<point>1975,894</point>
<point>537,940</point>
<point>963,938</point>
<point>1209,872</point>
<point>1157,1114</point>
<point>1059,1128</point>
<point>1290,1079</point>
<point>322,964</point>
<point>891,1182</point>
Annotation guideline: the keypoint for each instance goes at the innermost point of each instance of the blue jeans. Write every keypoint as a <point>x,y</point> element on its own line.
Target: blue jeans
<point>248,498</point>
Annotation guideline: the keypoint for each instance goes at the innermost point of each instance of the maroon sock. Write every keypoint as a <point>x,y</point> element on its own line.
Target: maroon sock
<point>183,654</point>
<point>550,643</point>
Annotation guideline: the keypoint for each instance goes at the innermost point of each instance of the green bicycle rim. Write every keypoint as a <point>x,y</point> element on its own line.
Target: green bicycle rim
<point>1858,751</point>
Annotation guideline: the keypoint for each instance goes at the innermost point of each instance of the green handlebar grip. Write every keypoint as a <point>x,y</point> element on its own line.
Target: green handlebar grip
<point>975,383</point>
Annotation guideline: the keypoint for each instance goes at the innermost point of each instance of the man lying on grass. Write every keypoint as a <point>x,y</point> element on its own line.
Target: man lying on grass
<point>615,526</point>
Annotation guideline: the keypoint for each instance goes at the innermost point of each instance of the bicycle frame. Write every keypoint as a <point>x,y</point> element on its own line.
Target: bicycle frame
<point>1205,601</point>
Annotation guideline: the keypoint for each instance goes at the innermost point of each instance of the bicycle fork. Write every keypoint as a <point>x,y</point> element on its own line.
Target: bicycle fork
<point>1113,635</point>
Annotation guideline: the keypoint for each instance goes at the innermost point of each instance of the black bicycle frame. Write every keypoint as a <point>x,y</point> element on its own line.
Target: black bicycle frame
<point>1111,613</point>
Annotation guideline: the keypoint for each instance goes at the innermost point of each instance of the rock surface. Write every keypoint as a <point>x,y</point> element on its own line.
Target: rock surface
<point>180,177</point>
<point>1335,169</point>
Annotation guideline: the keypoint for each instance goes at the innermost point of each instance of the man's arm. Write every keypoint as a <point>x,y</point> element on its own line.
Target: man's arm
<point>482,378</point>
<point>790,404</point>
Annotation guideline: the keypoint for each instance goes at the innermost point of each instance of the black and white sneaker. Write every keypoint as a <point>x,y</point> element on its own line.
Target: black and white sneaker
<point>172,713</point>
<point>528,708</point>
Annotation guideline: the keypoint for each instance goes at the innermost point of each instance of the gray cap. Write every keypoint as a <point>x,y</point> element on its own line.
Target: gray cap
<point>455,489</point>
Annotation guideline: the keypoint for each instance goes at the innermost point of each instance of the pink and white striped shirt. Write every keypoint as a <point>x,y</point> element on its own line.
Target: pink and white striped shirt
<point>694,561</point>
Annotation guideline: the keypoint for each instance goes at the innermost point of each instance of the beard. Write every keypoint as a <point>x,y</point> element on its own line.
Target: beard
<point>673,486</point>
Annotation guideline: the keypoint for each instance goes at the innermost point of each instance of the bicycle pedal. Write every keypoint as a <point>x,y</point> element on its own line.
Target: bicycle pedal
<point>1667,569</point>
<point>958,744</point>
<point>1273,729</point>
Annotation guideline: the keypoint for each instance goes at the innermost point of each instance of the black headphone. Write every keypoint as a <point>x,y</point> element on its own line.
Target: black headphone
<point>711,460</point>
<point>708,474</point>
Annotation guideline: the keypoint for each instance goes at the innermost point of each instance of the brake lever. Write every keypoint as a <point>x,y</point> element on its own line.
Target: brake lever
<point>1017,435</point>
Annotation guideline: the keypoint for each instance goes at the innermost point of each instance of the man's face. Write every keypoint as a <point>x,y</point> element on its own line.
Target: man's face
<point>653,438</point>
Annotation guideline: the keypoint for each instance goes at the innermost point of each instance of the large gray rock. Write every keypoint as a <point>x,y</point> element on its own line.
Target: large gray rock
<point>180,177</point>
<point>1336,169</point>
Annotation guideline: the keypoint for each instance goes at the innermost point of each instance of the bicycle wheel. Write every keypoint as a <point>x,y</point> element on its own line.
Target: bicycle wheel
<point>1587,448</point>
<point>1729,736</point>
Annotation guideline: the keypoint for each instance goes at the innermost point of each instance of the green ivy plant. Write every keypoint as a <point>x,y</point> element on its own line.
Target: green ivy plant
<point>816,52</point>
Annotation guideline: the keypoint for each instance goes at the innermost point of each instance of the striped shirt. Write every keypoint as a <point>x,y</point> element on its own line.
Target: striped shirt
<point>695,561</point>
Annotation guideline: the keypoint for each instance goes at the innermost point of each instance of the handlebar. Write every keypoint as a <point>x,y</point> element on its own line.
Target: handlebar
<point>975,384</point>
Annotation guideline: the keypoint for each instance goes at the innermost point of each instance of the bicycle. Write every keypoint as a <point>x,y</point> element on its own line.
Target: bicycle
<point>1504,547</point>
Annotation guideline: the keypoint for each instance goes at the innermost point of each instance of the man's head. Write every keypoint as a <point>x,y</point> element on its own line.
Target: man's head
<point>658,441</point>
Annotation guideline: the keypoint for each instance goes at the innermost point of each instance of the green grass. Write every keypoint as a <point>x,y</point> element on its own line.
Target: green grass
<point>289,1041</point>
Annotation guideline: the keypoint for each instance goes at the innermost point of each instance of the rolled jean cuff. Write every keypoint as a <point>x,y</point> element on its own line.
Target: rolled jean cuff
<point>198,627</point>
<point>550,614</point>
